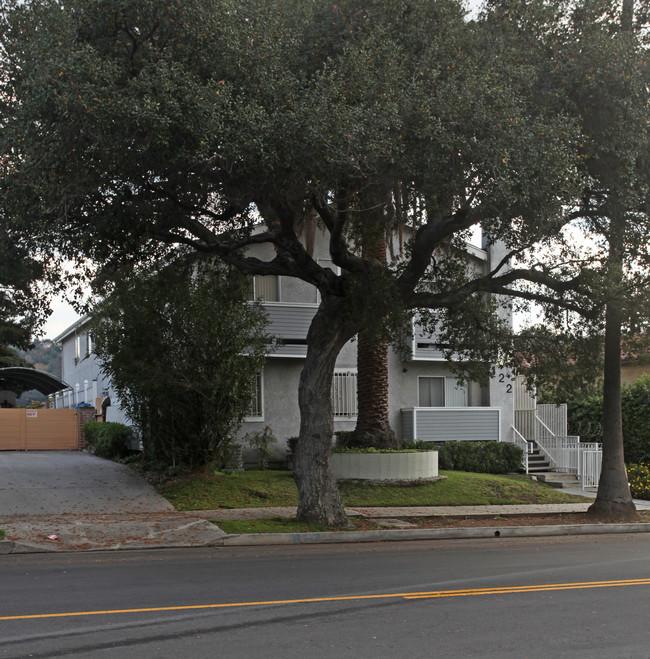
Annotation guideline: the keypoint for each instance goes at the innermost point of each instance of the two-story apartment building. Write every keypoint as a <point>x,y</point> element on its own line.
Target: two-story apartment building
<point>81,370</point>
<point>425,399</point>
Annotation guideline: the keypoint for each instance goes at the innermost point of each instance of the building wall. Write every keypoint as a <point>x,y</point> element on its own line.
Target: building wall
<point>87,367</point>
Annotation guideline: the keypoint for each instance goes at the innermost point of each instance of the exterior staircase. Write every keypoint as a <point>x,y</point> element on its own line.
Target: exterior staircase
<point>538,462</point>
<point>558,480</point>
<point>540,467</point>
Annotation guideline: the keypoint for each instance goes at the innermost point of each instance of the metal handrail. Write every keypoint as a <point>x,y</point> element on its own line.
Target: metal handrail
<point>524,445</point>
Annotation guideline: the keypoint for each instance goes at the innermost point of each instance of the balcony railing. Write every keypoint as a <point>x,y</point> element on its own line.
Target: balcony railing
<point>443,424</point>
<point>289,324</point>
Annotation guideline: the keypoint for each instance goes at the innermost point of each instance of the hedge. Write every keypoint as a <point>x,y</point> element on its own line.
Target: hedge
<point>107,439</point>
<point>586,420</point>
<point>481,457</point>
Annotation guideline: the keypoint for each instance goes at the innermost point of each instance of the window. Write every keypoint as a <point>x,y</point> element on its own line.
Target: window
<point>441,392</point>
<point>344,394</point>
<point>256,412</point>
<point>431,392</point>
<point>82,346</point>
<point>266,288</point>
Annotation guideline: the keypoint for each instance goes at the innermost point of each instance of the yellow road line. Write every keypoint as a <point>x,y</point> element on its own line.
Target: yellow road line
<point>504,590</point>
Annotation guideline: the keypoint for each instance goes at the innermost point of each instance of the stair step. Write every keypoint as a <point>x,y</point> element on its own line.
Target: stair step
<point>555,479</point>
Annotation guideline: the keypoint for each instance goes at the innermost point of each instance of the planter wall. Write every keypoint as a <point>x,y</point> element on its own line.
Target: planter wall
<point>385,466</point>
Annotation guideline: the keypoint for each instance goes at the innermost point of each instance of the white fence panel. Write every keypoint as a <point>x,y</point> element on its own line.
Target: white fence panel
<point>592,462</point>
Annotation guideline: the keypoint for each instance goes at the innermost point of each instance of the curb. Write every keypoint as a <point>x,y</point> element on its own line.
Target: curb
<point>10,547</point>
<point>398,535</point>
<point>349,537</point>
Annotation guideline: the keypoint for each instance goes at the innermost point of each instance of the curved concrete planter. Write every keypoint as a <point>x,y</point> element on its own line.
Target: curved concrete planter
<point>385,466</point>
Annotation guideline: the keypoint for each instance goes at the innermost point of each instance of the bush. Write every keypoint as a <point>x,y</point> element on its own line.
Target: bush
<point>586,420</point>
<point>345,439</point>
<point>292,442</point>
<point>638,476</point>
<point>261,441</point>
<point>107,439</point>
<point>417,444</point>
<point>481,457</point>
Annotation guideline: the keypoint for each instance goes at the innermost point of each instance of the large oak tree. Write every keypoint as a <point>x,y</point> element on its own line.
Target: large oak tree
<point>135,127</point>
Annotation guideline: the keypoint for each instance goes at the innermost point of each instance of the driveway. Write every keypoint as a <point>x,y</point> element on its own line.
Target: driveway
<point>66,500</point>
<point>61,482</point>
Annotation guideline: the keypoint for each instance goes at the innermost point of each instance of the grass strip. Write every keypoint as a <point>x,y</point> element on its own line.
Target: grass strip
<point>260,489</point>
<point>275,525</point>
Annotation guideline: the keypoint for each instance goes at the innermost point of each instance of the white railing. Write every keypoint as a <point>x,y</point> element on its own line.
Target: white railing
<point>63,399</point>
<point>524,445</point>
<point>565,453</point>
<point>591,461</point>
<point>554,417</point>
<point>344,394</point>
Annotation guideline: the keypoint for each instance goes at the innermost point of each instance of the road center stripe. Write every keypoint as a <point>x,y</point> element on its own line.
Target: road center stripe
<point>503,590</point>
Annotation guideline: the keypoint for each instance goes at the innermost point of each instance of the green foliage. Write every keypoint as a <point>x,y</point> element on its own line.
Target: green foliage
<point>45,356</point>
<point>241,489</point>
<point>563,364</point>
<point>130,126</point>
<point>271,525</point>
<point>261,441</point>
<point>181,345</point>
<point>292,442</point>
<point>345,439</point>
<point>639,478</point>
<point>415,444</point>
<point>481,457</point>
<point>107,439</point>
<point>371,449</point>
<point>257,489</point>
<point>586,419</point>
<point>23,306</point>
<point>635,401</point>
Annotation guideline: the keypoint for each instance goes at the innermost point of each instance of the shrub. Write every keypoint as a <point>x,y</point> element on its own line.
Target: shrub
<point>292,442</point>
<point>481,457</point>
<point>638,476</point>
<point>261,441</point>
<point>107,439</point>
<point>345,439</point>
<point>586,420</point>
<point>417,444</point>
<point>370,449</point>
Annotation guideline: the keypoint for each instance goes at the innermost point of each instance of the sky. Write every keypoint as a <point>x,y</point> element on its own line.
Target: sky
<point>63,315</point>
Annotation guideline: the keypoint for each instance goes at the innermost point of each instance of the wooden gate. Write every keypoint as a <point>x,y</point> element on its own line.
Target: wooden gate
<point>38,430</point>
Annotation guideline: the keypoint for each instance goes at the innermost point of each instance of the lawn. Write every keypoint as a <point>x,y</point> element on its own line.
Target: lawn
<point>259,489</point>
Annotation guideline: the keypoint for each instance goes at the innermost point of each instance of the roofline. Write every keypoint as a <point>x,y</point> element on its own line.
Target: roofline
<point>72,329</point>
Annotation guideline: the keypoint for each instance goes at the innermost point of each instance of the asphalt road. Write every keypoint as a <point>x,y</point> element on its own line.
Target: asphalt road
<point>551,597</point>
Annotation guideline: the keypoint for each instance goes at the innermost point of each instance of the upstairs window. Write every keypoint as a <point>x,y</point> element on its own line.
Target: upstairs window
<point>266,288</point>
<point>441,392</point>
<point>431,392</point>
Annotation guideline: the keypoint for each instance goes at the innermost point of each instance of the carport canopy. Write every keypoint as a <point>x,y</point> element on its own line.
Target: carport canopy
<point>12,377</point>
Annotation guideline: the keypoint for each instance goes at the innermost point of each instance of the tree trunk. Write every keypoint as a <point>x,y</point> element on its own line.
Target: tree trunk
<point>613,500</point>
<point>318,495</point>
<point>373,427</point>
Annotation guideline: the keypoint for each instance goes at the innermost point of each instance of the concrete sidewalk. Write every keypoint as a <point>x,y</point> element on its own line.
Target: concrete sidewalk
<point>132,530</point>
<point>70,501</point>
